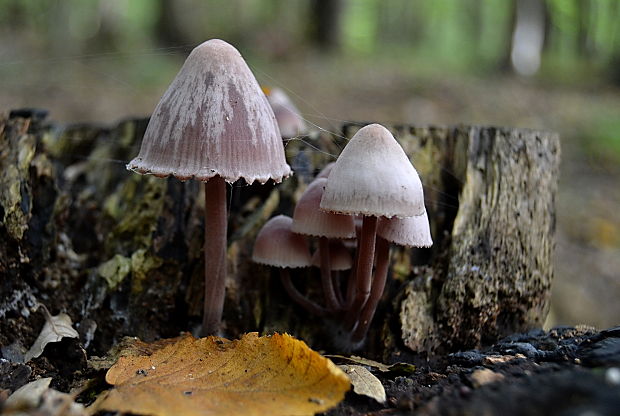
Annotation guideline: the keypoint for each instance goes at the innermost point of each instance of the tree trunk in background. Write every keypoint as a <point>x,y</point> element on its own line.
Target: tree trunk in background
<point>585,45</point>
<point>122,253</point>
<point>325,24</point>
<point>167,31</point>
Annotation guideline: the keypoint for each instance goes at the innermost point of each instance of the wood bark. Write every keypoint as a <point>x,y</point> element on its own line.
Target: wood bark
<point>122,253</point>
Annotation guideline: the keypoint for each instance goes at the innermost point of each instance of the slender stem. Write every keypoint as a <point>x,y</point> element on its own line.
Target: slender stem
<point>326,276</point>
<point>215,254</point>
<point>378,285</point>
<point>363,279</point>
<point>337,287</point>
<point>304,302</point>
<point>350,295</point>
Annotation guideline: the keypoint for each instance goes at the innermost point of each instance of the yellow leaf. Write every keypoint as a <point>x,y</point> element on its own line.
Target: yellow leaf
<point>274,375</point>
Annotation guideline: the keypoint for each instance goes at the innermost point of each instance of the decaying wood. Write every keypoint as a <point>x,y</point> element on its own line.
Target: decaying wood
<point>121,253</point>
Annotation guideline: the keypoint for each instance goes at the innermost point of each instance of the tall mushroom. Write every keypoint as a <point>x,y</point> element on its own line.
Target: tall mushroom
<point>213,124</point>
<point>372,177</point>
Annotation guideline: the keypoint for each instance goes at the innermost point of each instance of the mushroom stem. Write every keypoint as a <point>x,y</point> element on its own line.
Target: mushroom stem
<point>350,295</point>
<point>378,285</point>
<point>304,302</point>
<point>326,278</point>
<point>337,288</point>
<point>363,279</point>
<point>215,254</point>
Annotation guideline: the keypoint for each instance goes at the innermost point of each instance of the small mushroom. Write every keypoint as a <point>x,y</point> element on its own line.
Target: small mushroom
<point>277,246</point>
<point>289,118</point>
<point>308,219</point>
<point>213,124</point>
<point>372,177</point>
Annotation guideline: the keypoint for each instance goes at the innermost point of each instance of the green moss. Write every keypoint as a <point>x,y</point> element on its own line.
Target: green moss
<point>115,270</point>
<point>16,154</point>
<point>135,207</point>
<point>142,263</point>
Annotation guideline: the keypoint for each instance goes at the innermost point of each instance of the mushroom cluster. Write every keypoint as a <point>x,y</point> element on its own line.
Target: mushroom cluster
<point>372,183</point>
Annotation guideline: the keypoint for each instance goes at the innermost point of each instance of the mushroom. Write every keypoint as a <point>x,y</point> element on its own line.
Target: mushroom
<point>289,118</point>
<point>408,232</point>
<point>277,246</point>
<point>372,177</point>
<point>213,124</point>
<point>308,219</point>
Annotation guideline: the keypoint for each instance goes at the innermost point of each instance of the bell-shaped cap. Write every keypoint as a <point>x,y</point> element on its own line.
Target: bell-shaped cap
<point>373,176</point>
<point>409,231</point>
<point>308,219</point>
<point>276,245</point>
<point>213,120</point>
<point>289,118</point>
<point>339,257</point>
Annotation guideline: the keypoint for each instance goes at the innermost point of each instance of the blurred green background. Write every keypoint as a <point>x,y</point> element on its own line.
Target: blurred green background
<point>544,64</point>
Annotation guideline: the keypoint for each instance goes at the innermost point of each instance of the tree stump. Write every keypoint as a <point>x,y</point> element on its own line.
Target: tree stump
<point>121,253</point>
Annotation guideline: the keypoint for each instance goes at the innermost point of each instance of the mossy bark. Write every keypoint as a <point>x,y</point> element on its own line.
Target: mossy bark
<point>122,253</point>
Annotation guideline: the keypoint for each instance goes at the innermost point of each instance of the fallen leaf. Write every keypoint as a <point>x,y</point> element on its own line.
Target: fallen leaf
<point>28,395</point>
<point>36,398</point>
<point>364,382</point>
<point>400,368</point>
<point>184,376</point>
<point>55,328</point>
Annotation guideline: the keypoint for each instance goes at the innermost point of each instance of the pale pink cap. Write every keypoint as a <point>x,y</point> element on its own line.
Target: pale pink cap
<point>308,219</point>
<point>373,176</point>
<point>213,120</point>
<point>409,231</point>
<point>289,119</point>
<point>339,257</point>
<point>277,246</point>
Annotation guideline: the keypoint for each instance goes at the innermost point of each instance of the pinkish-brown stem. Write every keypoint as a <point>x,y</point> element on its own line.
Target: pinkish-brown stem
<point>378,285</point>
<point>351,280</point>
<point>337,287</point>
<point>304,302</point>
<point>216,223</point>
<point>363,279</point>
<point>326,276</point>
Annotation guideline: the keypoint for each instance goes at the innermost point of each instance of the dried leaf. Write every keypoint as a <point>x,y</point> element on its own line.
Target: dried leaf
<point>28,395</point>
<point>275,375</point>
<point>55,328</point>
<point>400,368</point>
<point>36,398</point>
<point>364,382</point>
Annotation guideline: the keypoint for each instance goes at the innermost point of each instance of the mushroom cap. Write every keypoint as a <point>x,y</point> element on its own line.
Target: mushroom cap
<point>373,176</point>
<point>289,119</point>
<point>276,245</point>
<point>339,257</point>
<point>213,120</point>
<point>308,219</point>
<point>409,231</point>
